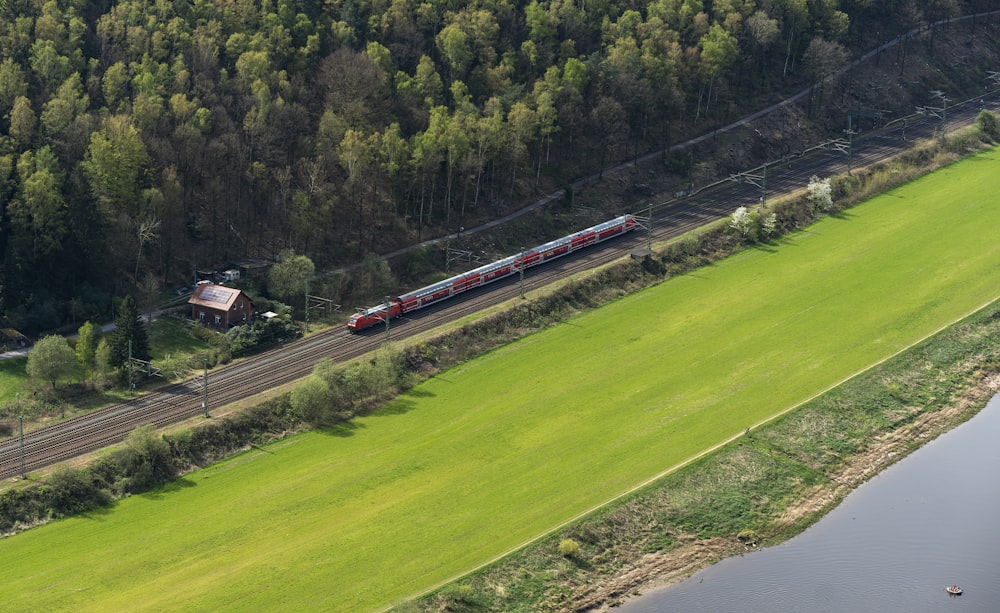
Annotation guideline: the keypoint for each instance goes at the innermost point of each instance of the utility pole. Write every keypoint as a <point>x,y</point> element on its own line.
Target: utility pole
<point>521,270</point>
<point>850,143</point>
<point>131,369</point>
<point>755,180</point>
<point>387,306</point>
<point>204,390</point>
<point>649,231</point>
<point>763,187</point>
<point>940,112</point>
<point>20,421</point>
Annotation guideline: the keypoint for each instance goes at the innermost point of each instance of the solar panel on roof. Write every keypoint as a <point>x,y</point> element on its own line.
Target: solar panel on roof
<point>216,293</point>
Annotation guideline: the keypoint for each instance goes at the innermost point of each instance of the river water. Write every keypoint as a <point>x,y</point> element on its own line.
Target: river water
<point>894,544</point>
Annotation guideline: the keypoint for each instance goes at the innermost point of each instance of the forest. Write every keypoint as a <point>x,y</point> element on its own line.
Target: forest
<point>142,140</point>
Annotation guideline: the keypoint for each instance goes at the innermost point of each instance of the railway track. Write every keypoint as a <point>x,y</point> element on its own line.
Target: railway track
<point>177,402</point>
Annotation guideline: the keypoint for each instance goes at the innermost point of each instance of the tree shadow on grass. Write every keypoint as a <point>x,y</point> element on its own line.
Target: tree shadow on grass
<point>98,514</point>
<point>342,429</point>
<point>401,405</point>
<point>843,214</point>
<point>168,488</point>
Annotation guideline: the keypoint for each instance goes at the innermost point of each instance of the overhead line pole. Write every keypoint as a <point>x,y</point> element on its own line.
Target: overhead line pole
<point>387,298</point>
<point>521,269</point>
<point>204,390</point>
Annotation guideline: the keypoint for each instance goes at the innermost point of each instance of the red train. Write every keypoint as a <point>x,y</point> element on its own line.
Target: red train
<point>491,272</point>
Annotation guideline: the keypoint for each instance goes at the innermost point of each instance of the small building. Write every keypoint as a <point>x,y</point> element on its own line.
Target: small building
<point>11,339</point>
<point>218,306</point>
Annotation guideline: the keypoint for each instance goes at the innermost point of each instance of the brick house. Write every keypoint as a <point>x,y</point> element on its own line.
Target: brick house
<point>218,306</point>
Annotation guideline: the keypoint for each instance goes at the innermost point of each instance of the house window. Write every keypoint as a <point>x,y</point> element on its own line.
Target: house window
<point>218,319</point>
<point>201,315</point>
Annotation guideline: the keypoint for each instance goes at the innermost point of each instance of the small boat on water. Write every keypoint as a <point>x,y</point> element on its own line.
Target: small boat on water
<point>954,590</point>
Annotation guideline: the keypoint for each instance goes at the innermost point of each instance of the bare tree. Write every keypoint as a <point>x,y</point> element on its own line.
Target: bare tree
<point>823,59</point>
<point>149,290</point>
<point>146,231</point>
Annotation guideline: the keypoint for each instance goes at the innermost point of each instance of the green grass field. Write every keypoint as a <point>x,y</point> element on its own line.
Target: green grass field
<point>495,452</point>
<point>12,376</point>
<point>172,337</point>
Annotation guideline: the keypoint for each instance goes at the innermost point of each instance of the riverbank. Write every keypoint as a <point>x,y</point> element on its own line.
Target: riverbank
<point>662,571</point>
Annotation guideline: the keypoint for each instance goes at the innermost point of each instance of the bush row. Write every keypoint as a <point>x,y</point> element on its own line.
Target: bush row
<point>146,460</point>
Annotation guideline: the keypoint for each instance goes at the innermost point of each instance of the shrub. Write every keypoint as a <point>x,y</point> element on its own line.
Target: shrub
<point>989,125</point>
<point>748,538</point>
<point>460,597</point>
<point>568,548</point>
<point>261,334</point>
<point>144,462</point>
<point>313,402</point>
<point>71,490</point>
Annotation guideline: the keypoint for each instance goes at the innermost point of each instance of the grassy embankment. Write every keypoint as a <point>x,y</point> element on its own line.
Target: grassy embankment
<point>488,455</point>
<point>11,375</point>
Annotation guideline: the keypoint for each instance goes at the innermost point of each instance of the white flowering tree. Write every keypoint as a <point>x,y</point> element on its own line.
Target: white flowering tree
<point>768,223</point>
<point>820,193</point>
<point>742,223</point>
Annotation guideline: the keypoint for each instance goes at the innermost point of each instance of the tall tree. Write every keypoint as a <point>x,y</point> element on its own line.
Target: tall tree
<point>22,122</point>
<point>289,276</point>
<point>116,166</point>
<point>39,213</point>
<point>130,336</point>
<point>718,53</point>
<point>12,84</point>
<point>86,347</point>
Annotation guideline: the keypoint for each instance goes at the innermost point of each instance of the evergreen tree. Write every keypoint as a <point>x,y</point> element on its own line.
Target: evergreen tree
<point>129,327</point>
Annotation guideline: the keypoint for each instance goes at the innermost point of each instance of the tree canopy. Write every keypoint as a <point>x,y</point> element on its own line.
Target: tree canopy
<point>339,130</point>
<point>51,359</point>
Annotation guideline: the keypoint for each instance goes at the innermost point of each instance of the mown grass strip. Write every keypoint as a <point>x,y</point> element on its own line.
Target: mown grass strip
<point>491,454</point>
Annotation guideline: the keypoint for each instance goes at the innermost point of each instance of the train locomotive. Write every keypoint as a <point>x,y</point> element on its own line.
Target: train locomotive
<point>407,303</point>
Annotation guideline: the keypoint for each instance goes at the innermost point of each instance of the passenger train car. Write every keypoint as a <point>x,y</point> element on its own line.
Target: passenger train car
<point>441,290</point>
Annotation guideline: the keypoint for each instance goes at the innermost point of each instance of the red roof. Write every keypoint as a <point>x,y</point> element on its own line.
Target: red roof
<point>214,296</point>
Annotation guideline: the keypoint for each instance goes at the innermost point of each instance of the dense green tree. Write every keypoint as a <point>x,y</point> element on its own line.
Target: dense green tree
<point>288,277</point>
<point>113,85</point>
<point>129,338</point>
<point>429,82</point>
<point>38,214</point>
<point>70,102</point>
<point>12,84</point>
<point>313,402</point>
<point>51,359</point>
<point>145,459</point>
<point>116,166</point>
<point>48,65</point>
<point>22,122</point>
